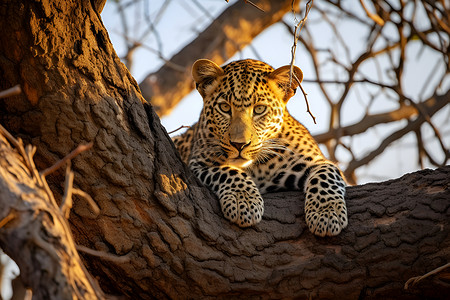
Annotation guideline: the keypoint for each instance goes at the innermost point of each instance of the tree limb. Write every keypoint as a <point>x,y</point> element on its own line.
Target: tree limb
<point>403,112</point>
<point>442,100</point>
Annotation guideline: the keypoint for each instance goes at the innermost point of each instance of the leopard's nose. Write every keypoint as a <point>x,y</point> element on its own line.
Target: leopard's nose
<point>239,146</point>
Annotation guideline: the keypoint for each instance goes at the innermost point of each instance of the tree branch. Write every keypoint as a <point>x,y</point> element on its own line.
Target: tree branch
<point>403,112</point>
<point>29,221</point>
<point>413,125</point>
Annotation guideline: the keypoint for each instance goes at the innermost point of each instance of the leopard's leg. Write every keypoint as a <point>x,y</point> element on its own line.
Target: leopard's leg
<point>325,209</point>
<point>239,197</point>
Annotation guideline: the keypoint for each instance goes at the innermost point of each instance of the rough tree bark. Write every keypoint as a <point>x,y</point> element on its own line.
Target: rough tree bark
<point>397,229</point>
<point>157,215</point>
<point>234,29</point>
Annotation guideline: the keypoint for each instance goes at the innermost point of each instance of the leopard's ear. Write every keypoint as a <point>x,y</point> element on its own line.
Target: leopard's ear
<point>281,78</point>
<point>205,73</point>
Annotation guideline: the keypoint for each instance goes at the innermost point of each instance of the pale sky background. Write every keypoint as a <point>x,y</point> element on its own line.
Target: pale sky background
<point>183,19</point>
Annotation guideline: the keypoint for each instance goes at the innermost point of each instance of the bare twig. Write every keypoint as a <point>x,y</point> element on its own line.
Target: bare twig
<point>376,18</point>
<point>88,198</point>
<point>252,4</point>
<point>15,90</point>
<point>104,255</point>
<point>416,279</point>
<point>306,99</point>
<point>66,203</point>
<point>179,128</point>
<point>68,157</point>
<point>16,142</point>
<point>6,219</point>
<point>420,148</point>
<point>169,63</point>
<point>370,120</point>
<point>297,28</point>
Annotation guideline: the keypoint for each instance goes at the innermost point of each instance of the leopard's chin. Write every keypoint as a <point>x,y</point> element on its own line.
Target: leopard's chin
<point>239,162</point>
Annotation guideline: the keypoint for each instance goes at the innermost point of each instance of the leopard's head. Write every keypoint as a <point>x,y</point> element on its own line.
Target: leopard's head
<point>243,106</point>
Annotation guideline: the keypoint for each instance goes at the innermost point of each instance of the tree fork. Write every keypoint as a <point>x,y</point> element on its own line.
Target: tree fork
<point>154,212</point>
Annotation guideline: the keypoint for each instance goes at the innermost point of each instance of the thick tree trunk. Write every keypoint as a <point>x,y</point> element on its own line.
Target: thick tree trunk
<point>234,29</point>
<point>156,215</point>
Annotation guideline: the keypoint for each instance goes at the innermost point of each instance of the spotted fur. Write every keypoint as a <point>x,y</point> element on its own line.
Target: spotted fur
<point>246,143</point>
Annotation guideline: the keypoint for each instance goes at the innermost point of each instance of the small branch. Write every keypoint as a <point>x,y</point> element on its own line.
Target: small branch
<point>376,18</point>
<point>6,219</point>
<point>403,112</point>
<point>411,126</point>
<point>15,90</point>
<point>104,255</point>
<point>88,198</point>
<point>16,142</point>
<point>306,99</point>
<point>298,27</point>
<point>69,156</point>
<point>252,4</point>
<point>66,203</point>
<point>136,44</point>
<point>420,148</point>
<point>416,279</point>
<point>179,128</point>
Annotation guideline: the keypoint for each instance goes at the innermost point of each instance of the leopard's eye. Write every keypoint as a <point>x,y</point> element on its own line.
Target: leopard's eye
<point>225,107</point>
<point>259,109</point>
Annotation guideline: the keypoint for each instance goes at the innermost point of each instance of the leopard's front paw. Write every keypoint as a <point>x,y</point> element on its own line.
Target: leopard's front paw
<point>326,219</point>
<point>242,208</point>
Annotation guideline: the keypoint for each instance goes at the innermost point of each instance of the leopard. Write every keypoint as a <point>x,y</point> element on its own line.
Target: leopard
<point>246,143</point>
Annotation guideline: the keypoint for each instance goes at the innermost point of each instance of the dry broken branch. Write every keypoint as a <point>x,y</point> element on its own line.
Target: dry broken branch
<point>179,128</point>
<point>15,90</point>
<point>414,280</point>
<point>68,157</point>
<point>30,221</point>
